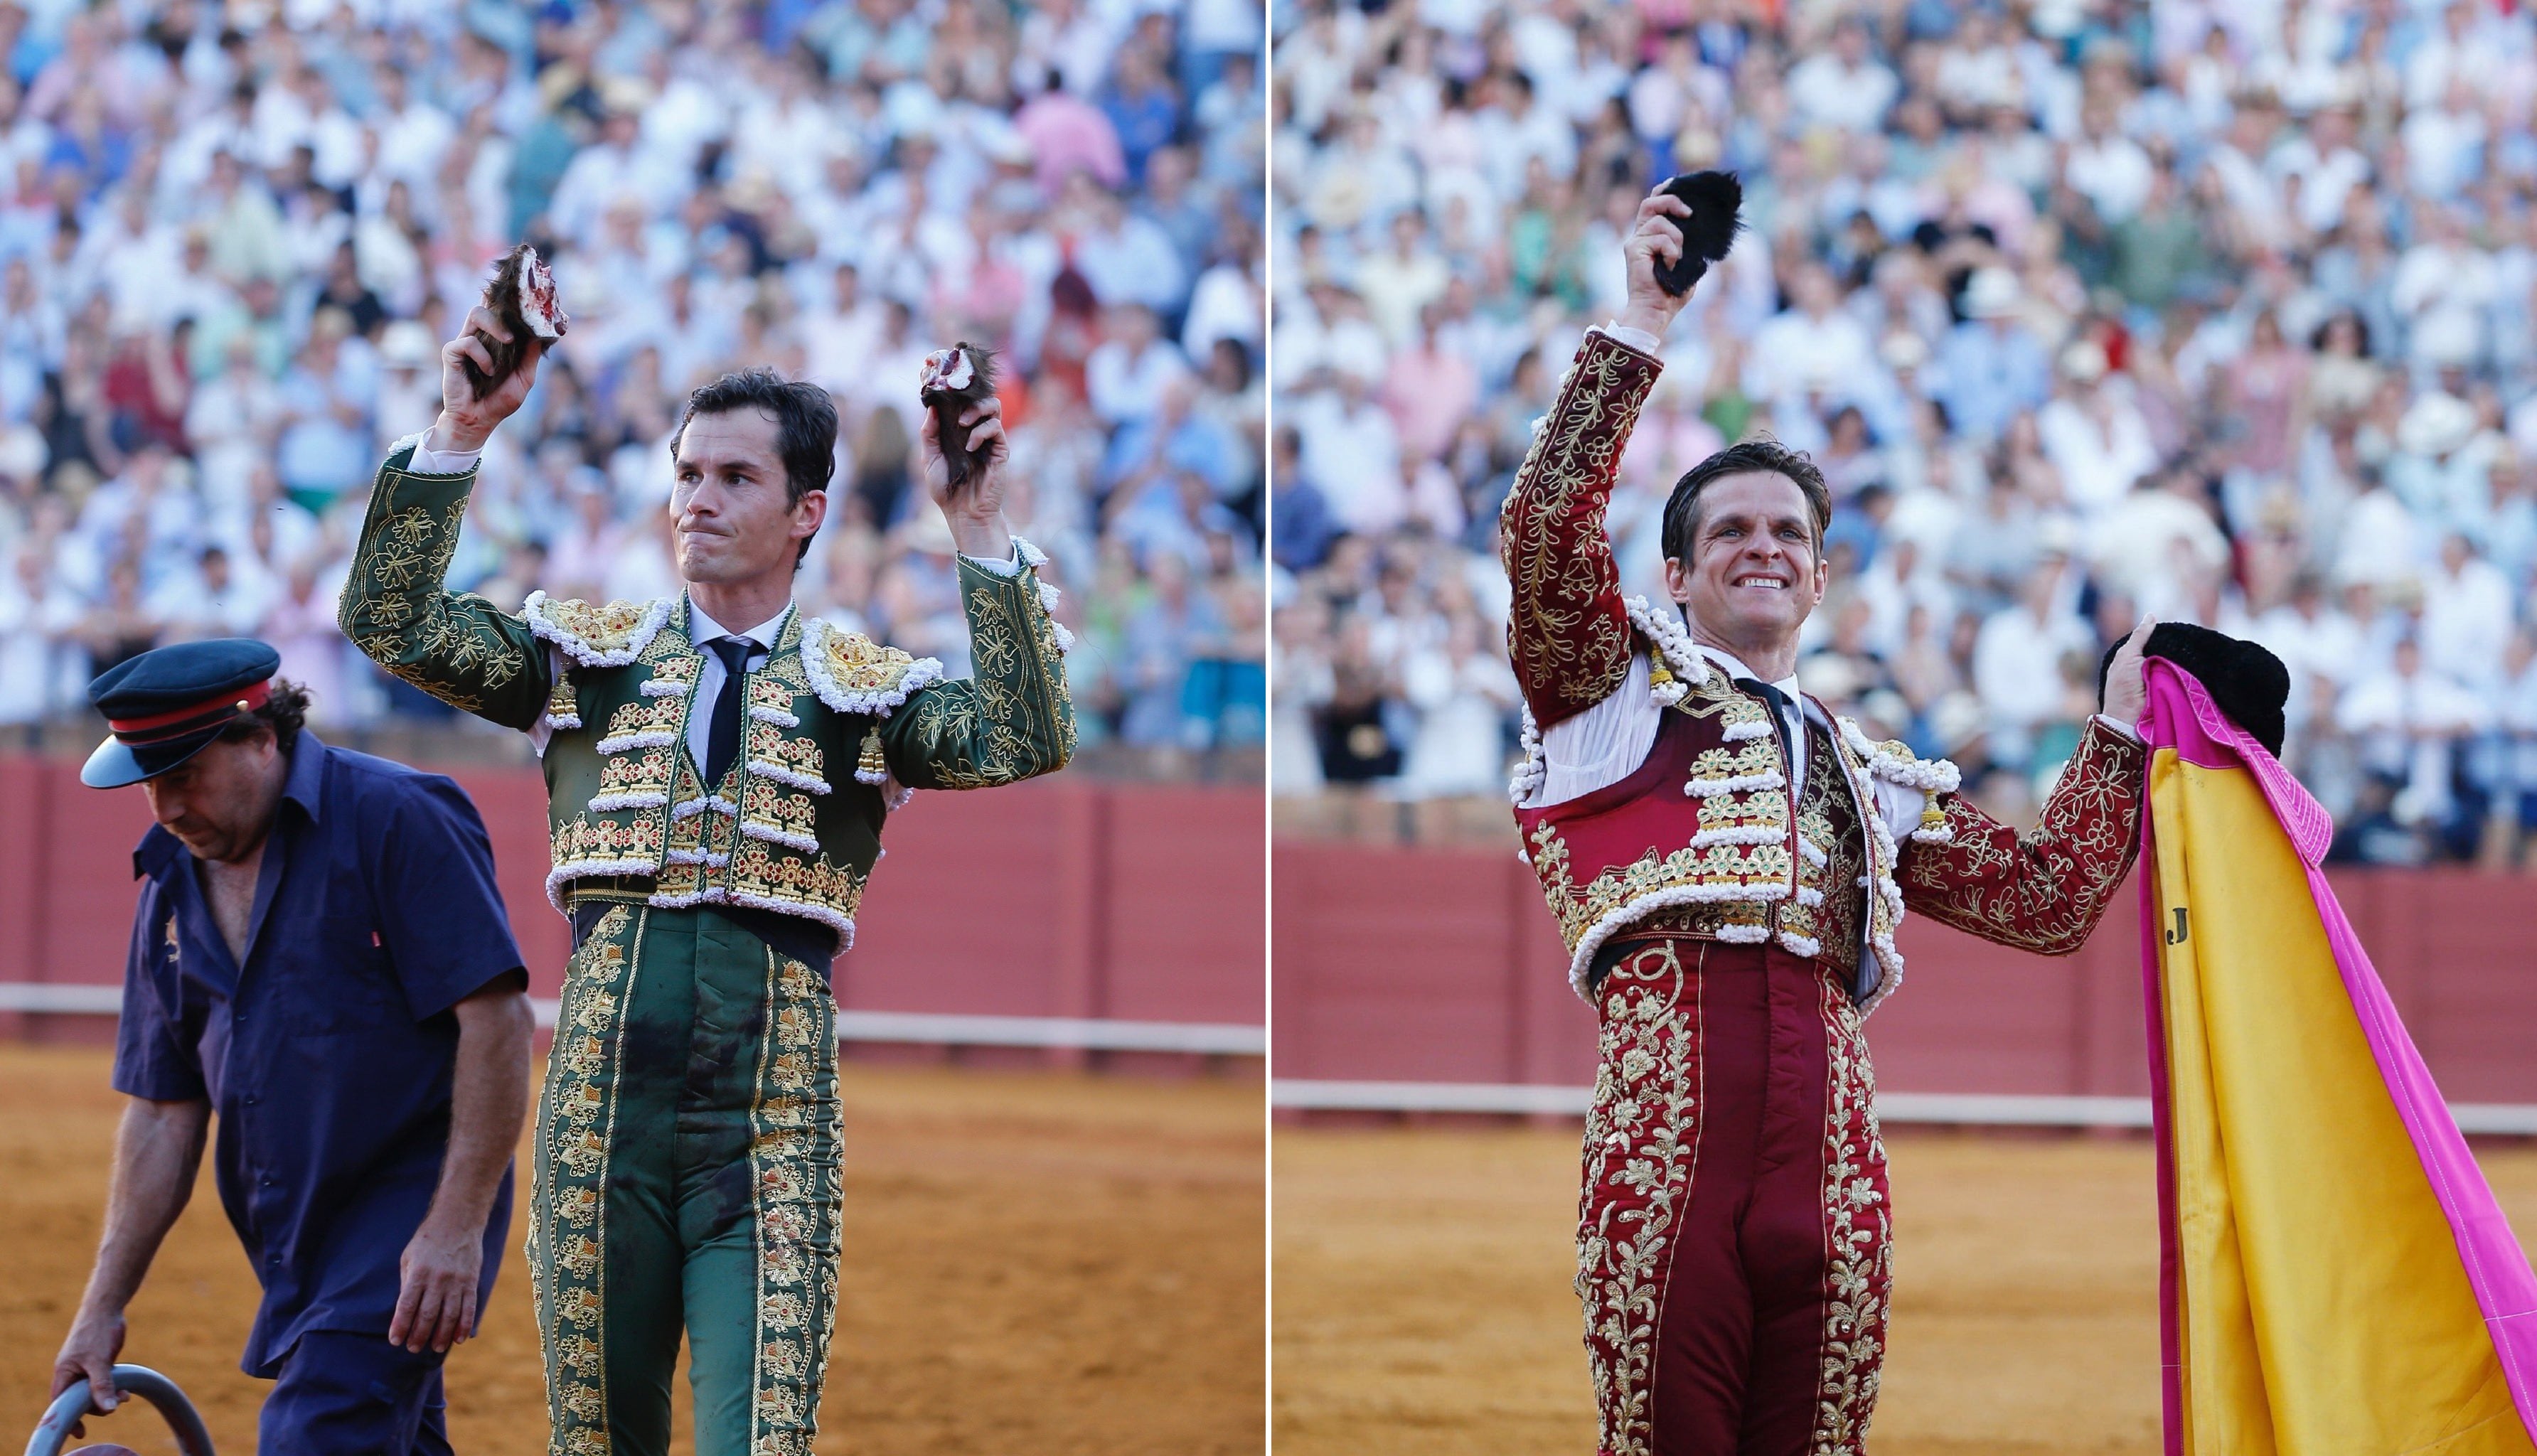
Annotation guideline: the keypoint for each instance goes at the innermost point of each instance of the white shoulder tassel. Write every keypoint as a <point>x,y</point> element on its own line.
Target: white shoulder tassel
<point>1685,668</point>
<point>1896,764</point>
<point>1530,773</point>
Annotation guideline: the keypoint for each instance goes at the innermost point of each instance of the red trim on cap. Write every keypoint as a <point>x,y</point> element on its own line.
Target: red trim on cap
<point>243,700</point>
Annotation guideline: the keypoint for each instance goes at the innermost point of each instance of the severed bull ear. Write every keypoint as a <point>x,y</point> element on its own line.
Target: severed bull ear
<point>1716,200</point>
<point>956,378</point>
<point>522,294</point>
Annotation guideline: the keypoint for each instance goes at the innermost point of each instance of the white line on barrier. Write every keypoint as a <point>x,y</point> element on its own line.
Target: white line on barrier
<point>921,1028</point>
<point>1977,1110</point>
<point>38,996</point>
<point>1429,1096</point>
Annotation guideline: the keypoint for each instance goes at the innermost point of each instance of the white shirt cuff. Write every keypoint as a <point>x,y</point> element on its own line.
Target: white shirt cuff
<point>429,462</point>
<point>1637,339</point>
<point>2128,729</point>
<point>1008,569</point>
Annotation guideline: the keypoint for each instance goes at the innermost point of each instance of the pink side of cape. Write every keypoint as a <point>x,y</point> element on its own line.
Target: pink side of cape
<point>2182,716</point>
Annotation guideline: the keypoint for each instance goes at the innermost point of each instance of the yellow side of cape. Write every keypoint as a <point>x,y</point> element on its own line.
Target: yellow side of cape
<point>2324,1307</point>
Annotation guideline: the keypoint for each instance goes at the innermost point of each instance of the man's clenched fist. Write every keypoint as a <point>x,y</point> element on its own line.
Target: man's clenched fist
<point>466,422</point>
<point>1655,239</point>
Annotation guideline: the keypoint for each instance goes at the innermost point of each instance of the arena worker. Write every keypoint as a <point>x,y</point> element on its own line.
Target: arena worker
<point>320,956</point>
<point>1727,863</point>
<point>718,767</point>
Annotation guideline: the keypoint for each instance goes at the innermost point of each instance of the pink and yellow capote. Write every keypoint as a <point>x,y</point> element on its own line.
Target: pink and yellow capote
<point>2335,1273</point>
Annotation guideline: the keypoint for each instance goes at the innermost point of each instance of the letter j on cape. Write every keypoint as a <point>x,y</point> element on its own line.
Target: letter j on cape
<point>2336,1279</point>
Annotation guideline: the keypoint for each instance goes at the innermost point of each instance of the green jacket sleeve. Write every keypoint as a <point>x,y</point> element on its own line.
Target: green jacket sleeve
<point>457,647</point>
<point>1011,719</point>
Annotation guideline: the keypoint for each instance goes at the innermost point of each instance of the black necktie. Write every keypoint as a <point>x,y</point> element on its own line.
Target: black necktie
<point>1779,702</point>
<point>722,739</point>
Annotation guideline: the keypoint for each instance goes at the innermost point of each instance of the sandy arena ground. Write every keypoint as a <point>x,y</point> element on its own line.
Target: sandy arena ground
<point>1423,1304</point>
<point>1035,1262</point>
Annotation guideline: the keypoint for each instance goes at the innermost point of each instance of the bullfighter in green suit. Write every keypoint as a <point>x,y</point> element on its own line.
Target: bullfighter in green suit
<point>718,769</point>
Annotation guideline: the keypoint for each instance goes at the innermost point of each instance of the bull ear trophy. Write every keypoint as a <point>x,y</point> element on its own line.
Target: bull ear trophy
<point>954,379</point>
<point>522,294</point>
<point>1716,200</point>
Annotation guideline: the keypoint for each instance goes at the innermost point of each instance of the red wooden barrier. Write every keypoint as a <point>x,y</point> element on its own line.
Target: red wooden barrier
<point>1061,897</point>
<point>1428,965</point>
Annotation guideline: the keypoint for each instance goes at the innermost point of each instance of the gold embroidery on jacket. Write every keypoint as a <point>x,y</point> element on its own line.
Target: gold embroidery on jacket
<point>1566,630</point>
<point>1829,821</point>
<point>1011,719</point>
<point>606,841</point>
<point>2044,891</point>
<point>449,644</point>
<point>595,627</point>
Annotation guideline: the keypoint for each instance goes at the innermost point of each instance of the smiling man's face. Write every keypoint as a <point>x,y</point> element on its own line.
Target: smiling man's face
<point>1755,568</point>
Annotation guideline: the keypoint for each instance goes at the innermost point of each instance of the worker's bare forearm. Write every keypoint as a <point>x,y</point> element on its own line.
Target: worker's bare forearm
<point>157,1147</point>
<point>488,1105</point>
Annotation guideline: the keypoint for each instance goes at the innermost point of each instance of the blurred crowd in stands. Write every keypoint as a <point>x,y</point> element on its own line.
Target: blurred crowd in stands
<point>2222,310</point>
<point>234,236</point>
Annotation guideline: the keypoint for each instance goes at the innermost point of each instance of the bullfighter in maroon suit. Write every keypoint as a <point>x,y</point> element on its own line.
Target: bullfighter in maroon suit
<point>1728,862</point>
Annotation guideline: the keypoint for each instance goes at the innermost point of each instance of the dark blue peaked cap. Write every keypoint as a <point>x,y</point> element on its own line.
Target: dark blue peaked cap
<point>170,703</point>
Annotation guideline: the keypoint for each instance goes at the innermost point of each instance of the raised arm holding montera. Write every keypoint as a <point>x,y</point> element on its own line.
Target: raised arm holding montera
<point>1568,628</point>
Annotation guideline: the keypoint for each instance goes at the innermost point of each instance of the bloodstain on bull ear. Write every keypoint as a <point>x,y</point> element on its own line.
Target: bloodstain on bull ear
<point>522,294</point>
<point>953,380</point>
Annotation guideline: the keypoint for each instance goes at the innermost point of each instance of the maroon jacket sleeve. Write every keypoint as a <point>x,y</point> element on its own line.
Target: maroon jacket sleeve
<point>2043,891</point>
<point>1567,631</point>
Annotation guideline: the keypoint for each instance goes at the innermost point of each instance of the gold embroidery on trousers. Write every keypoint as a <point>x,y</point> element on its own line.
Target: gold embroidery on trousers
<point>1642,1142</point>
<point>1857,1235</point>
<point>792,1165</point>
<point>568,1196</point>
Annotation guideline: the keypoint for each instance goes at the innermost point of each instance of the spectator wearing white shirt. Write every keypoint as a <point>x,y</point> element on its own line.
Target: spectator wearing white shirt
<point>216,599</point>
<point>2409,720</point>
<point>1126,376</point>
<point>2327,163</point>
<point>2107,166</point>
<point>1352,456</point>
<point>2443,285</point>
<point>1812,339</point>
<point>612,166</point>
<point>1462,690</point>
<point>2159,546</point>
<point>413,133</point>
<point>1130,259</point>
<point>1398,284</point>
<point>2093,433</point>
<point>2467,617</point>
<point>2017,661</point>
<point>1845,87</point>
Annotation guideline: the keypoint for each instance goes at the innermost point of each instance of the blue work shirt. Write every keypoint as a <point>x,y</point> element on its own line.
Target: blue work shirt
<point>328,1056</point>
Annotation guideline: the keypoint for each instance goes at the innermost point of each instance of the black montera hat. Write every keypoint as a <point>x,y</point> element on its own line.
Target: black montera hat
<point>2245,681</point>
<point>169,703</point>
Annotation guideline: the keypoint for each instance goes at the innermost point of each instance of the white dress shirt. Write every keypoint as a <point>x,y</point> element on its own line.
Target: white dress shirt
<point>1608,741</point>
<point>702,629</point>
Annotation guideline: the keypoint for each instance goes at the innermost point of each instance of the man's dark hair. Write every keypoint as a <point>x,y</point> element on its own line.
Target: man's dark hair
<point>283,714</point>
<point>806,426</point>
<point>1682,508</point>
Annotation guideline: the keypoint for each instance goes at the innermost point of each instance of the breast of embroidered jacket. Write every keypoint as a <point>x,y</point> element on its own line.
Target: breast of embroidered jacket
<point>1706,839</point>
<point>793,826</point>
